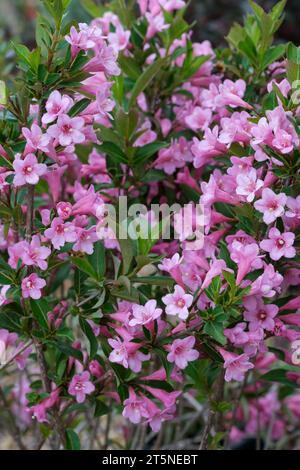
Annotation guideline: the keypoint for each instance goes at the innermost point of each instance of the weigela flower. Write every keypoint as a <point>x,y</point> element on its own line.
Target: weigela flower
<point>178,303</point>
<point>181,352</point>
<point>32,286</point>
<point>145,314</point>
<point>235,365</point>
<point>60,233</point>
<point>56,105</point>
<point>27,170</point>
<point>279,244</point>
<point>67,130</point>
<point>271,205</point>
<point>80,386</point>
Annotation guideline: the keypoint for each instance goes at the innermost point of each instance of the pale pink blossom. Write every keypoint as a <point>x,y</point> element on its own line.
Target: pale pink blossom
<point>181,352</point>
<point>68,130</point>
<point>32,286</point>
<point>235,365</point>
<point>56,105</point>
<point>35,139</point>
<point>178,303</point>
<point>35,254</point>
<point>145,314</point>
<point>279,244</point>
<point>248,185</point>
<point>258,314</point>
<point>80,386</point>
<point>28,170</point>
<point>60,233</point>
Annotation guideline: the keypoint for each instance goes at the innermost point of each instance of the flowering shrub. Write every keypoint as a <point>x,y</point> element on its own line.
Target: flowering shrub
<point>142,318</point>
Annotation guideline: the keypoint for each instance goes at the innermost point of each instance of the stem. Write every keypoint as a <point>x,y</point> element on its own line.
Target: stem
<point>15,432</point>
<point>212,414</point>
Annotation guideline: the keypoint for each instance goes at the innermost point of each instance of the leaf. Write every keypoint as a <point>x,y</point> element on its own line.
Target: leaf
<point>68,350</point>
<point>147,151</point>
<point>101,408</point>
<point>79,107</point>
<point>97,260</point>
<point>40,309</point>
<point>84,265</point>
<point>215,331</point>
<point>144,80</point>
<point>129,67</point>
<point>128,252</point>
<point>273,54</point>
<point>72,440</point>
<point>278,375</point>
<point>113,151</point>
<point>163,281</point>
<point>88,331</point>
<point>168,366</point>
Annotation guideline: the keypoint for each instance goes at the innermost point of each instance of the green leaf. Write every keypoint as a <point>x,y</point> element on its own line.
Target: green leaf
<point>113,151</point>
<point>40,309</point>
<point>147,151</point>
<point>215,330</point>
<point>79,107</point>
<point>163,281</point>
<point>72,440</point>
<point>88,331</point>
<point>168,366</point>
<point>94,10</point>
<point>129,67</point>
<point>273,54</point>
<point>68,350</point>
<point>84,265</point>
<point>144,80</point>
<point>278,375</point>
<point>101,408</point>
<point>97,260</point>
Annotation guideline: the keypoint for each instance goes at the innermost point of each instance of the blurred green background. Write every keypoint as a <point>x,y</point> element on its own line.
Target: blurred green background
<point>213,17</point>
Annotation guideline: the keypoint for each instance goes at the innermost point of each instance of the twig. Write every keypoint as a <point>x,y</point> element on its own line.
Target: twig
<point>15,432</point>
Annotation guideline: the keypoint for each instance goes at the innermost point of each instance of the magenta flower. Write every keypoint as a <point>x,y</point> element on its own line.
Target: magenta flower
<point>246,257</point>
<point>182,352</point>
<point>258,314</point>
<point>35,139</point>
<point>80,386</point>
<point>39,411</point>
<point>127,354</point>
<point>248,185</point>
<point>199,119</point>
<point>135,408</point>
<point>271,205</point>
<point>236,365</point>
<point>294,207</point>
<point>85,240</point>
<point>28,170</point>
<point>279,244</point>
<point>178,303</point>
<point>145,314</point>
<point>68,130</point>
<point>35,254</point>
<point>31,286</point>
<point>56,105</point>
<point>60,233</point>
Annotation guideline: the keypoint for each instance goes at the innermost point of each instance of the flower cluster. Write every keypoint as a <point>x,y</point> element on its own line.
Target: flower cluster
<point>102,321</point>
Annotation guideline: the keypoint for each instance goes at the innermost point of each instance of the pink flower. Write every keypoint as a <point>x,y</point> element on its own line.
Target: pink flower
<point>79,40</point>
<point>80,386</point>
<point>246,257</point>
<point>248,185</point>
<point>60,233</point>
<point>85,240</point>
<point>127,354</point>
<point>35,254</point>
<point>35,139</point>
<point>236,365</point>
<point>147,135</point>
<point>258,314</point>
<point>135,408</point>
<point>271,205</point>
<point>39,411</point>
<point>182,352</point>
<point>178,303</point>
<point>199,119</point>
<point>237,335</point>
<point>145,314</point>
<point>56,105</point>
<point>68,130</point>
<point>31,286</point>
<point>294,207</point>
<point>105,61</point>
<point>64,209</point>
<point>231,94</point>
<point>279,244</point>
<point>28,170</point>
<point>3,291</point>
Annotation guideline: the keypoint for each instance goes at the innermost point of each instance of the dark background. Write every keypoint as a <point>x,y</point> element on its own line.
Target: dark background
<point>213,17</point>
